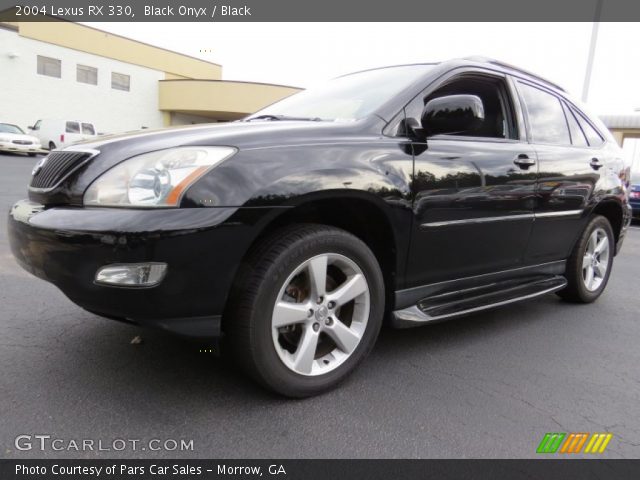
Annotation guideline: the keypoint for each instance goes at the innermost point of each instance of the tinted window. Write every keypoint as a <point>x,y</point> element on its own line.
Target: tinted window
<point>577,136</point>
<point>88,129</point>
<point>593,137</point>
<point>546,118</point>
<point>73,127</point>
<point>120,81</point>
<point>50,67</point>
<point>37,125</point>
<point>87,74</point>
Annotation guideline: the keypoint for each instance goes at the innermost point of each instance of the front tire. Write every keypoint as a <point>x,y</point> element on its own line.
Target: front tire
<point>306,309</point>
<point>589,266</point>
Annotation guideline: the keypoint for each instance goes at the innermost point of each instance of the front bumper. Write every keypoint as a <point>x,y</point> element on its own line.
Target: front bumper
<point>13,147</point>
<point>201,246</point>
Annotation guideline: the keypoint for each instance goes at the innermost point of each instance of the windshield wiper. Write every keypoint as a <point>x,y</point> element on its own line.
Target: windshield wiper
<point>284,117</point>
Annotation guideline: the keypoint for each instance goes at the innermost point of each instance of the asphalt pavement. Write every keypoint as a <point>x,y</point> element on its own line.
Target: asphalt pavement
<point>485,386</point>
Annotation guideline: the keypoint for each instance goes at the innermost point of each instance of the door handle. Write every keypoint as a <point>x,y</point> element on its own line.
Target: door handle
<point>595,163</point>
<point>524,162</point>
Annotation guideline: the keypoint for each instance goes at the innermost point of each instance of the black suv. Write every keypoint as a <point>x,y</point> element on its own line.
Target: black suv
<point>414,193</point>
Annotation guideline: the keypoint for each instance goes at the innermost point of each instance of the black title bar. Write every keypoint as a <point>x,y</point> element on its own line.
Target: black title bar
<point>319,10</point>
<point>547,469</point>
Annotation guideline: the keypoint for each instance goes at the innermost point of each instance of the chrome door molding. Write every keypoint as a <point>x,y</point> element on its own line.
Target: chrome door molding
<point>504,218</point>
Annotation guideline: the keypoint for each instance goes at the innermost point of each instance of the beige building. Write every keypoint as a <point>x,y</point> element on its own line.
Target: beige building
<point>66,70</point>
<point>626,131</point>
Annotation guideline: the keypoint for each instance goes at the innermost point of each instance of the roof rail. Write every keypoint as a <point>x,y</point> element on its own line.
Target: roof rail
<point>493,61</point>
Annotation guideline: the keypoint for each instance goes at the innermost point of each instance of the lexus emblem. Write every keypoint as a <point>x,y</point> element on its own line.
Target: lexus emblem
<point>38,167</point>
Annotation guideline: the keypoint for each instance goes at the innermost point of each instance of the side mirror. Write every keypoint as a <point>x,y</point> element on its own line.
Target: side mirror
<point>31,127</point>
<point>452,114</point>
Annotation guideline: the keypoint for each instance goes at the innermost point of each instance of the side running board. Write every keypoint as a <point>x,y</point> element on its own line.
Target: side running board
<point>461,302</point>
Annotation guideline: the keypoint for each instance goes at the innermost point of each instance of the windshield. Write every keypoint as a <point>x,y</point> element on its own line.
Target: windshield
<point>8,128</point>
<point>346,98</point>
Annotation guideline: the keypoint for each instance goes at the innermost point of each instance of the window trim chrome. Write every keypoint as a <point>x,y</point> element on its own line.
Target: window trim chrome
<point>504,218</point>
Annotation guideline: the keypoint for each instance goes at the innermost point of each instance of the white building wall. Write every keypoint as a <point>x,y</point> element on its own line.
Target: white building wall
<point>26,96</point>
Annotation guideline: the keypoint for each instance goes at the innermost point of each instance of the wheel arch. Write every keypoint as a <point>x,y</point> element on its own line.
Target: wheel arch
<point>612,210</point>
<point>362,214</point>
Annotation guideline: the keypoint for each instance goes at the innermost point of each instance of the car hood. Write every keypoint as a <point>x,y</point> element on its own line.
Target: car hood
<point>109,151</point>
<point>243,135</point>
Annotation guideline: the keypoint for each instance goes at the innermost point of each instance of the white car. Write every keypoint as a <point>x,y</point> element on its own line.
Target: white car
<point>59,133</point>
<point>13,139</point>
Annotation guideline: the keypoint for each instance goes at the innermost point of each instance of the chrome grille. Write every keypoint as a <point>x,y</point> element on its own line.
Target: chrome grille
<point>22,142</point>
<point>55,167</point>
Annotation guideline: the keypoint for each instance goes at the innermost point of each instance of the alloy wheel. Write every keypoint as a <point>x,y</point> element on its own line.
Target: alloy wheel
<point>320,314</point>
<point>595,261</point>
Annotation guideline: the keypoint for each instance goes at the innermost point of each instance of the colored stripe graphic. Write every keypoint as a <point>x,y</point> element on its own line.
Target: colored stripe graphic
<point>557,442</point>
<point>550,442</point>
<point>598,443</point>
<point>574,443</point>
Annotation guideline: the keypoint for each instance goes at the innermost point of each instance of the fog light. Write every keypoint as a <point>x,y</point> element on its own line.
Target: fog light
<point>132,274</point>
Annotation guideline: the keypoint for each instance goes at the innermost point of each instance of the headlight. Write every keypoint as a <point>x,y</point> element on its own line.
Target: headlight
<point>156,179</point>
<point>5,139</point>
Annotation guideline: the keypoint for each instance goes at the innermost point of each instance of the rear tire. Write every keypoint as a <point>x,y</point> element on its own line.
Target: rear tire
<point>589,266</point>
<point>52,146</point>
<point>306,309</point>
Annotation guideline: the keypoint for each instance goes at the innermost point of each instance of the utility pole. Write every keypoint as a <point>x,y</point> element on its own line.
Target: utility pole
<point>592,51</point>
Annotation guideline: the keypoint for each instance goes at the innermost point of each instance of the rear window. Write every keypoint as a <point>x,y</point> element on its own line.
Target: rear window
<point>87,129</point>
<point>593,137</point>
<point>577,135</point>
<point>72,127</point>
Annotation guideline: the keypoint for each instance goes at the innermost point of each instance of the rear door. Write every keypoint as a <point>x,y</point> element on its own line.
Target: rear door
<point>473,191</point>
<point>569,168</point>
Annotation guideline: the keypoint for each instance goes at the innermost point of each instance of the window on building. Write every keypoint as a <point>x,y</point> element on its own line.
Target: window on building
<point>86,74</point>
<point>88,129</point>
<point>72,127</point>
<point>51,67</point>
<point>547,120</point>
<point>120,81</point>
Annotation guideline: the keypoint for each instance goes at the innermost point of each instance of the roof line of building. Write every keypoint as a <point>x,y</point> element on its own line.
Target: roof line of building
<point>7,26</point>
<point>54,19</point>
<point>229,81</point>
<point>143,43</point>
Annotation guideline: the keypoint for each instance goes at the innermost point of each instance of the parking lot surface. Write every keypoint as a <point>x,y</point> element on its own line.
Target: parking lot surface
<point>488,385</point>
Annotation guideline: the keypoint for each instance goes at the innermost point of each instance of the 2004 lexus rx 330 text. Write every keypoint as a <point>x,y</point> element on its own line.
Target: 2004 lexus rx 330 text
<point>414,193</point>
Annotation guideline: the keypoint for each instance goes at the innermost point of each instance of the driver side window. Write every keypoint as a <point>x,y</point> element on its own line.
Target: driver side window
<point>499,117</point>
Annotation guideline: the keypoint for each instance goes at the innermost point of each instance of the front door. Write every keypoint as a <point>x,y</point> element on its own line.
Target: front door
<point>473,191</point>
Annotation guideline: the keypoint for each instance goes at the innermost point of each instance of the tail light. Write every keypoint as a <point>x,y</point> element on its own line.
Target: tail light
<point>62,138</point>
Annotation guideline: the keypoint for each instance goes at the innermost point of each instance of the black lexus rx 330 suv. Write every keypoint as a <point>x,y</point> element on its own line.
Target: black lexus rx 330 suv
<point>414,193</point>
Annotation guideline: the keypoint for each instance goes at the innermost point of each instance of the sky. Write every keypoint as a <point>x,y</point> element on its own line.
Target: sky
<point>306,54</point>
